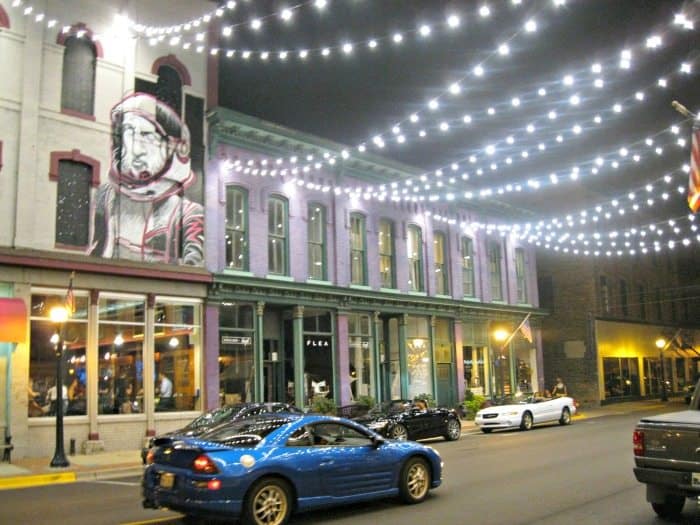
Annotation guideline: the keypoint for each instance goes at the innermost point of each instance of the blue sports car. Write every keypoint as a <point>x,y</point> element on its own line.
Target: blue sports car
<point>264,468</point>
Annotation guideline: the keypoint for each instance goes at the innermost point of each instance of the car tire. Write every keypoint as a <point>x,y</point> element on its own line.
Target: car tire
<point>486,430</point>
<point>268,502</point>
<point>454,430</point>
<point>399,432</point>
<point>526,421</point>
<point>671,508</point>
<point>414,482</point>
<point>565,418</point>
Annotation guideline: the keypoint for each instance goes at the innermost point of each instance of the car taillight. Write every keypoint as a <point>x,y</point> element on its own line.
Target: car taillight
<point>638,441</point>
<point>205,465</point>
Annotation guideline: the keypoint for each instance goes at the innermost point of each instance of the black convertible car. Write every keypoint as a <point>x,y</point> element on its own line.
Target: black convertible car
<point>402,419</point>
<point>220,416</point>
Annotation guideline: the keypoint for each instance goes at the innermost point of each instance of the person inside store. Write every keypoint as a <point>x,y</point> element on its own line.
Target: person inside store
<point>165,392</point>
<point>52,396</point>
<point>559,389</point>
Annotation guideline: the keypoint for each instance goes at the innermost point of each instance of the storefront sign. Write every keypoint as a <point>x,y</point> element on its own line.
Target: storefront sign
<point>318,343</point>
<point>234,340</point>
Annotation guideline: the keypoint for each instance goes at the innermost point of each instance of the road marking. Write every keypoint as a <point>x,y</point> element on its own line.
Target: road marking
<point>124,483</point>
<point>154,520</point>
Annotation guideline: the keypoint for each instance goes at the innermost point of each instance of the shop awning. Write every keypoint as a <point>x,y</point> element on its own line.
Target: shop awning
<point>13,320</point>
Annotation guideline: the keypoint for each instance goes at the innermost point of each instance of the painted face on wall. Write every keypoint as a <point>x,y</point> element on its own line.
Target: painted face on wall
<point>144,152</point>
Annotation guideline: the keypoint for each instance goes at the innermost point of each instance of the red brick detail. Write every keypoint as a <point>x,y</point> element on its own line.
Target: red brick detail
<point>173,62</point>
<point>61,38</point>
<point>75,156</point>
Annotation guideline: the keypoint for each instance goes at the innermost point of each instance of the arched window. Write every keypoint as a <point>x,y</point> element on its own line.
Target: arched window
<point>169,88</point>
<point>277,236</point>
<point>358,253</point>
<point>236,228</point>
<point>78,85</point>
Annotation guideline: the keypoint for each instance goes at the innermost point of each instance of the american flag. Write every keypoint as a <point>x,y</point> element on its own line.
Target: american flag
<point>526,330</point>
<point>694,179</point>
<point>70,297</point>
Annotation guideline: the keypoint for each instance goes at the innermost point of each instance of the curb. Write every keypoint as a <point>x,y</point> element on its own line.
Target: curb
<point>20,482</point>
<point>117,472</point>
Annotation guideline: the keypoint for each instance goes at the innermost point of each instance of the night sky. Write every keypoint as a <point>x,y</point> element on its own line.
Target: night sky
<point>351,99</point>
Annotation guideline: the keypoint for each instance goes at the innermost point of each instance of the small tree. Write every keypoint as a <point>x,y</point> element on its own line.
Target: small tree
<point>471,404</point>
<point>323,405</point>
<point>366,401</point>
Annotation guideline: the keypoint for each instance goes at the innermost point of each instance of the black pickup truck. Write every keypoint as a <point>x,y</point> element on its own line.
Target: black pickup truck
<point>667,457</point>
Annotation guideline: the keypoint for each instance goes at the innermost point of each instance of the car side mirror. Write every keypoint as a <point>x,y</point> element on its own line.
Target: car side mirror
<point>378,441</point>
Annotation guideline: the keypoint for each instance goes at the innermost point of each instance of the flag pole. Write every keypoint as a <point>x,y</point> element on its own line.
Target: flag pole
<point>512,334</point>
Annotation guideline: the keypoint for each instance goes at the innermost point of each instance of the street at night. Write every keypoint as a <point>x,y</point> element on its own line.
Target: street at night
<point>551,475</point>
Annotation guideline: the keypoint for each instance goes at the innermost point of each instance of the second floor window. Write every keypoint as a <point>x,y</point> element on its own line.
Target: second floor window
<point>441,257</point>
<point>414,245</point>
<point>78,84</point>
<point>520,280</point>
<point>357,249</point>
<point>316,240</point>
<point>604,295</point>
<point>386,253</point>
<point>468,267</point>
<point>495,271</point>
<point>236,228</point>
<point>277,236</point>
<point>73,204</point>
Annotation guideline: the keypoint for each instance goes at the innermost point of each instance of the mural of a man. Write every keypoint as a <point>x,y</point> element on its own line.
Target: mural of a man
<point>142,213</point>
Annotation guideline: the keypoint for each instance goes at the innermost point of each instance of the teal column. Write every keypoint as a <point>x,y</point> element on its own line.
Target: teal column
<point>259,358</point>
<point>433,366</point>
<point>298,335</point>
<point>403,362</point>
<point>376,357</point>
<point>513,372</point>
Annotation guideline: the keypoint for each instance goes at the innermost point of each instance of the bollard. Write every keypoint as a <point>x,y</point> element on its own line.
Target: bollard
<point>71,450</point>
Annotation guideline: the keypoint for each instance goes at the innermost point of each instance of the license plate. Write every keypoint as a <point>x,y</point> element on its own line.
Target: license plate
<point>167,480</point>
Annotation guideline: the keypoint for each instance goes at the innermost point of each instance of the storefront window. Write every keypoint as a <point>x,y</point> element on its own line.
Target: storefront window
<point>418,356</point>
<point>361,359</point>
<point>176,348</point>
<point>236,354</point>
<point>42,356</point>
<point>318,355</point>
<point>121,323</point>
<point>621,377</point>
<point>474,371</point>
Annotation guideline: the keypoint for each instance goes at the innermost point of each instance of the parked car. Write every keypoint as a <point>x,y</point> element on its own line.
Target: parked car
<point>263,468</point>
<point>217,416</point>
<point>402,419</point>
<point>525,411</point>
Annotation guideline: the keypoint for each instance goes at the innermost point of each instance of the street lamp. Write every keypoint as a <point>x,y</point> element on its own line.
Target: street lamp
<point>661,345</point>
<point>59,315</point>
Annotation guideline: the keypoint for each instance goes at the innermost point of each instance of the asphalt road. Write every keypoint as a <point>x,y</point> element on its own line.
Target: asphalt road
<point>551,475</point>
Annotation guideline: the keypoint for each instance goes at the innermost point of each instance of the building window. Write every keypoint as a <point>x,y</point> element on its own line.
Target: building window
<point>78,84</point>
<point>386,253</point>
<point>236,228</point>
<point>42,355</point>
<point>169,88</point>
<point>361,359</point>
<point>623,298</point>
<point>604,289</point>
<point>414,245</point>
<point>419,357</point>
<point>237,354</point>
<point>121,329</point>
<point>442,286</point>
<point>642,303</point>
<point>176,347</point>
<point>495,271</point>
<point>468,267</point>
<point>316,242</point>
<point>520,280</point>
<point>73,204</point>
<point>357,249</point>
<point>277,235</point>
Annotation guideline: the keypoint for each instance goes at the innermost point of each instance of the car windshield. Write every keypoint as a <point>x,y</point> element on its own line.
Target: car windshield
<point>390,407</point>
<point>246,432</point>
<point>213,417</point>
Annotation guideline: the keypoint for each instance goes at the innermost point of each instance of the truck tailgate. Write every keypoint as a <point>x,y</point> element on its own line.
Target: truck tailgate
<point>671,440</point>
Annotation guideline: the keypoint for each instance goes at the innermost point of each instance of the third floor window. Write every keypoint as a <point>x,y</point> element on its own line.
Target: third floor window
<point>441,257</point>
<point>468,267</point>
<point>520,276</point>
<point>277,236</point>
<point>495,271</point>
<point>386,253</point>
<point>236,228</point>
<point>357,249</point>
<point>414,245</point>
<point>316,242</point>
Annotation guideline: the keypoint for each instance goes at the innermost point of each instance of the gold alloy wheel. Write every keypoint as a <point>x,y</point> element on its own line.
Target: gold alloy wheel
<point>417,480</point>
<point>270,505</point>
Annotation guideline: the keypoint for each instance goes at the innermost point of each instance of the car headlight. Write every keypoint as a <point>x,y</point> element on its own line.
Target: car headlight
<point>378,425</point>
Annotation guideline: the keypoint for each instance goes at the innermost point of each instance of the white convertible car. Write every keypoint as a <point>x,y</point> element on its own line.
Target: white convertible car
<point>528,411</point>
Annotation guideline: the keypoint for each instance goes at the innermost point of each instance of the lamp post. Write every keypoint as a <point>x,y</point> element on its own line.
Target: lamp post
<point>59,315</point>
<point>661,345</point>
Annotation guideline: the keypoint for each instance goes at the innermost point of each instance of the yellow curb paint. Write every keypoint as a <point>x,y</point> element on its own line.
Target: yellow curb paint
<point>19,482</point>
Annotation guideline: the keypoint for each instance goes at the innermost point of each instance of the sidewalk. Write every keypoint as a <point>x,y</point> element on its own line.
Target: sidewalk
<point>29,472</point>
